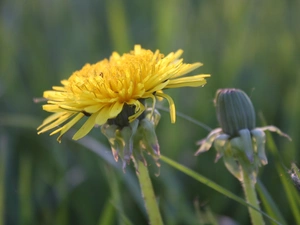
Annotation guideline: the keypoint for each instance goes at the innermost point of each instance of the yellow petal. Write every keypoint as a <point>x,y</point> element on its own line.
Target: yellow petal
<point>115,109</point>
<point>178,53</point>
<point>86,127</point>
<point>137,49</point>
<point>52,108</point>
<point>157,87</point>
<point>103,115</point>
<point>50,119</point>
<point>54,95</point>
<point>184,69</point>
<point>59,121</point>
<point>67,126</point>
<point>93,108</point>
<point>140,108</point>
<point>64,82</point>
<point>58,88</point>
<point>193,81</point>
<point>56,131</point>
<point>66,107</point>
<point>171,106</point>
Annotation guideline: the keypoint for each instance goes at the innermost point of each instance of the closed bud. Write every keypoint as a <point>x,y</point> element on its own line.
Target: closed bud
<point>235,111</point>
<point>238,141</point>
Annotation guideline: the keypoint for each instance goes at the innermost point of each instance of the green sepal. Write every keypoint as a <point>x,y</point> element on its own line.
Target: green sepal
<point>232,164</point>
<point>115,140</point>
<point>259,138</point>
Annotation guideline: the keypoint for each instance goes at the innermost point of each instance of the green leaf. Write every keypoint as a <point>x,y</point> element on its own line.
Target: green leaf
<point>268,202</point>
<point>108,214</point>
<point>289,188</point>
<point>212,185</point>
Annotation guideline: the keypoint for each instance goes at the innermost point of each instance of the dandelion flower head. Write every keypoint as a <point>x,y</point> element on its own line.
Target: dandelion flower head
<point>101,91</point>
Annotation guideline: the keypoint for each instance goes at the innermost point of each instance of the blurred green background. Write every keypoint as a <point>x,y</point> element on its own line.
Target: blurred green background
<point>251,45</point>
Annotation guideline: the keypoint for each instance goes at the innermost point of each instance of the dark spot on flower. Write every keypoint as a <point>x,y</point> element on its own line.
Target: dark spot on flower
<point>101,74</point>
<point>86,113</point>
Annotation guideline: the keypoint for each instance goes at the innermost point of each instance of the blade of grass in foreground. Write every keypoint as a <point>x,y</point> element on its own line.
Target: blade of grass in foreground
<point>289,189</point>
<point>187,118</point>
<point>268,203</point>
<point>291,193</point>
<point>205,216</point>
<point>3,148</point>
<point>116,200</point>
<point>108,214</point>
<point>30,122</point>
<point>101,150</point>
<point>212,185</point>
<point>118,25</point>
<point>25,190</point>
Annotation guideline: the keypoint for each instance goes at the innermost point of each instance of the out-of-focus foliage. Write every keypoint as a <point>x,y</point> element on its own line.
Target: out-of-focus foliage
<point>251,45</point>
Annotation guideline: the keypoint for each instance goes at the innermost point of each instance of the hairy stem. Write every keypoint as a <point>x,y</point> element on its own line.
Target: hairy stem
<point>148,194</point>
<point>251,197</point>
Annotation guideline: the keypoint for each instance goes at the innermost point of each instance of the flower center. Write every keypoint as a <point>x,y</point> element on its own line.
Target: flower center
<point>122,118</point>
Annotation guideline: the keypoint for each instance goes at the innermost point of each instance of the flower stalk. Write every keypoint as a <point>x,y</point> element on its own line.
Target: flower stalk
<point>148,193</point>
<point>250,194</point>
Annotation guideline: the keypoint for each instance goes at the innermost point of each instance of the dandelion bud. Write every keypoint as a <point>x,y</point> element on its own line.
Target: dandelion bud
<point>234,111</point>
<point>238,141</point>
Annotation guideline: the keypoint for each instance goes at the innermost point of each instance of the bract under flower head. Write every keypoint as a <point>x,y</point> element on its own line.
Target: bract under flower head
<point>132,141</point>
<point>100,91</point>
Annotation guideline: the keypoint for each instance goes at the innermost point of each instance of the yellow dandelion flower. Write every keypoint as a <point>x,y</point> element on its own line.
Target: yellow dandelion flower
<point>100,91</point>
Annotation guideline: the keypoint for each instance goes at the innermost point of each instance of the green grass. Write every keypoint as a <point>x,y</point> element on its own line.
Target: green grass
<point>251,45</point>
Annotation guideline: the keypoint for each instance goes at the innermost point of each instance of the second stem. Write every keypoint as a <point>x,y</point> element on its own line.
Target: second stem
<point>251,198</point>
<point>148,194</point>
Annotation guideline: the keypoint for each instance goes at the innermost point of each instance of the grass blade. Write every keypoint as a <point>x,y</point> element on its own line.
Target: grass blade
<point>212,185</point>
<point>3,148</point>
<point>108,214</point>
<point>289,189</point>
<point>268,203</point>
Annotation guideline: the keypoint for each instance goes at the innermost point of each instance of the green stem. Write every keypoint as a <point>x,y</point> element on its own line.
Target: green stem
<point>251,198</point>
<point>148,194</point>
<point>3,148</point>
